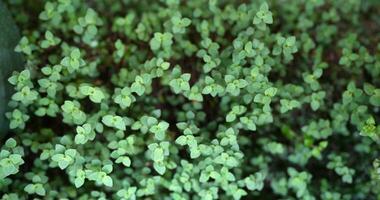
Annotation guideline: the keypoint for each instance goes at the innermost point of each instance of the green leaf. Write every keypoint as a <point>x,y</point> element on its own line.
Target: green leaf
<point>114,121</point>
<point>230,117</point>
<point>181,140</point>
<point>255,182</point>
<point>80,139</point>
<point>107,181</point>
<point>40,190</point>
<point>11,143</point>
<point>270,91</point>
<point>79,181</point>
<point>159,167</point>
<point>125,160</point>
<point>194,152</point>
<point>375,99</point>
<point>30,189</point>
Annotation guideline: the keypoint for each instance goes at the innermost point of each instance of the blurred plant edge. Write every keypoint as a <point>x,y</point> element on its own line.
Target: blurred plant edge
<point>9,61</point>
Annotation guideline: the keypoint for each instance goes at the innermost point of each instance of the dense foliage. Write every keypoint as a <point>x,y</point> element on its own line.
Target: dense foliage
<point>197,99</point>
<point>9,60</point>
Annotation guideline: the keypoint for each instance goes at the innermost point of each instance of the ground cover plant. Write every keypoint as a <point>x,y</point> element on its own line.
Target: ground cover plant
<point>200,99</point>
